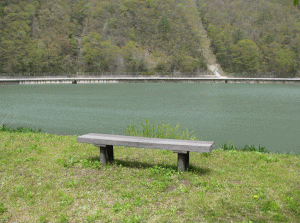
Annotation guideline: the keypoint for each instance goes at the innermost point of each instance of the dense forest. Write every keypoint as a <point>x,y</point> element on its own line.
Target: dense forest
<point>252,37</point>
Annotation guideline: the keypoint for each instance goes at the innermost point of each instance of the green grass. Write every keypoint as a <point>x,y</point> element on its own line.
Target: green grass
<point>52,178</point>
<point>159,130</point>
<point>6,128</point>
<point>230,146</point>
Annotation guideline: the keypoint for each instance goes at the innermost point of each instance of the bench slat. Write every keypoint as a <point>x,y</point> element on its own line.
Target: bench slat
<point>151,143</point>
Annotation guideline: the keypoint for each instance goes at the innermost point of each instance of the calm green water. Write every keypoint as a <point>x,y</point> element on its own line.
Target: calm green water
<point>267,115</point>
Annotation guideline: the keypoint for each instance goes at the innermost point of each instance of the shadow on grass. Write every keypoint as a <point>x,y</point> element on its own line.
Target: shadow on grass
<point>199,170</point>
<point>144,165</point>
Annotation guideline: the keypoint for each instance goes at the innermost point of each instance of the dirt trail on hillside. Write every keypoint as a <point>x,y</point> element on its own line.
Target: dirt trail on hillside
<point>210,58</point>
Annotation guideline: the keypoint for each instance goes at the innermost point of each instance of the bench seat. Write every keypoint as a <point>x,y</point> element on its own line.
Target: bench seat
<point>181,147</point>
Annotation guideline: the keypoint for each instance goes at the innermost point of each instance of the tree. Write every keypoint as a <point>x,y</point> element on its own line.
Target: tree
<point>134,57</point>
<point>285,61</point>
<point>99,55</point>
<point>164,27</point>
<point>246,56</point>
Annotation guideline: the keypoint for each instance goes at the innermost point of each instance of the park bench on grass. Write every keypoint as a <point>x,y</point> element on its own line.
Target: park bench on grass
<point>181,147</point>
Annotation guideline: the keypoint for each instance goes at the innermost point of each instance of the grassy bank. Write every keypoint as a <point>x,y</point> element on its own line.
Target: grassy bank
<point>51,178</point>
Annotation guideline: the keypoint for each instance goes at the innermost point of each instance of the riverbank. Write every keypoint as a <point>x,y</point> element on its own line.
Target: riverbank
<point>148,79</point>
<point>52,178</point>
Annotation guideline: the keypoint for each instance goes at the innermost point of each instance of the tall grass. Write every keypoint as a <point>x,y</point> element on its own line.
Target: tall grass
<point>6,128</point>
<point>167,131</point>
<point>159,130</point>
<point>230,146</point>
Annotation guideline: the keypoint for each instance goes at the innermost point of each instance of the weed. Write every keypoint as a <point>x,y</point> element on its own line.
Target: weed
<point>212,185</point>
<point>270,206</point>
<point>293,201</point>
<point>268,159</point>
<point>160,185</point>
<point>71,183</point>
<point>31,158</point>
<point>118,207</point>
<point>65,200</point>
<point>279,218</point>
<point>132,219</point>
<point>62,219</point>
<point>125,194</point>
<point>5,218</point>
<point>19,191</point>
<point>90,163</point>
<point>30,198</point>
<point>3,209</point>
<point>230,146</point>
<point>161,173</point>
<point>6,128</point>
<point>70,162</point>
<point>161,130</point>
<point>138,201</point>
<point>93,218</point>
<point>43,219</point>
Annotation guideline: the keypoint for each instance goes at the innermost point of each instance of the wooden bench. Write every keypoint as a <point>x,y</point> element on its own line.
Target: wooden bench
<point>181,147</point>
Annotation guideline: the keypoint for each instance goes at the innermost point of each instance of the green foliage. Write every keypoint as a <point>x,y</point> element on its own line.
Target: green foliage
<point>296,2</point>
<point>3,209</point>
<point>285,60</point>
<point>79,11</point>
<point>6,128</point>
<point>269,24</point>
<point>161,130</point>
<point>269,38</point>
<point>99,55</point>
<point>230,146</point>
<point>62,218</point>
<point>48,37</point>
<point>293,201</point>
<point>134,57</point>
<point>35,35</point>
<point>222,45</point>
<point>237,36</point>
<point>246,56</point>
<point>69,163</point>
<point>164,27</point>
<point>91,163</point>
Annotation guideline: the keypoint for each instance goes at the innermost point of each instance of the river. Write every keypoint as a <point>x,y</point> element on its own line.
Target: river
<point>260,114</point>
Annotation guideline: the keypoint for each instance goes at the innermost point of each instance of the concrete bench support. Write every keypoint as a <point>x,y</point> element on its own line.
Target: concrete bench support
<point>106,154</point>
<point>183,160</point>
<point>181,147</point>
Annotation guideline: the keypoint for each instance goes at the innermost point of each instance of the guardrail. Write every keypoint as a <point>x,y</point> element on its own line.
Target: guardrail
<point>152,79</point>
<point>103,74</point>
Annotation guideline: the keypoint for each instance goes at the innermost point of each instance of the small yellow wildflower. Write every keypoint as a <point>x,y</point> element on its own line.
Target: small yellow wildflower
<point>255,196</point>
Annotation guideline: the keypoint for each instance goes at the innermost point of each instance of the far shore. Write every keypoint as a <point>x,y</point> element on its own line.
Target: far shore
<point>144,79</point>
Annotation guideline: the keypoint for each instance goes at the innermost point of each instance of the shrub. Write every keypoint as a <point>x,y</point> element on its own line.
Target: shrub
<point>161,130</point>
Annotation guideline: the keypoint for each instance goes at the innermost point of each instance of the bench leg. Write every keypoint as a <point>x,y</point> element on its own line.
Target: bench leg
<point>187,160</point>
<point>110,153</point>
<point>106,154</point>
<point>103,156</point>
<point>183,161</point>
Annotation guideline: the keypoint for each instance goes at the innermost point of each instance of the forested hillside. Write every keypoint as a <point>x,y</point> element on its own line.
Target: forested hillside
<point>252,36</point>
<point>92,35</point>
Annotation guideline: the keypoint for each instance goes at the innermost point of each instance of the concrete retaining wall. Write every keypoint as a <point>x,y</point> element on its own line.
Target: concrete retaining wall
<point>150,80</point>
